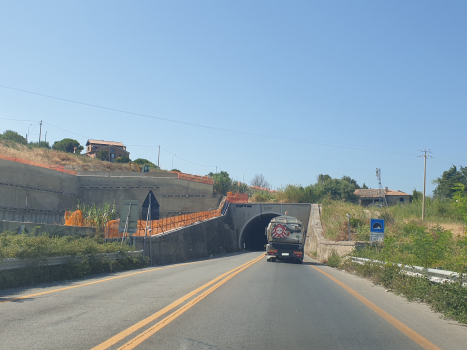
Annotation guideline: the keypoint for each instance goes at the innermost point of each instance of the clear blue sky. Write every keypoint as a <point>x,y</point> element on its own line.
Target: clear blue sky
<point>334,87</point>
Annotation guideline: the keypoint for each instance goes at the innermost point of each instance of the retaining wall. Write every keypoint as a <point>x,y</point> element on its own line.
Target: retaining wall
<point>315,241</point>
<point>200,240</point>
<point>34,194</point>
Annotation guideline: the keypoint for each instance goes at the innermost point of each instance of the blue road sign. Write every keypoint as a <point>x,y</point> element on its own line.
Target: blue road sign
<point>377,225</point>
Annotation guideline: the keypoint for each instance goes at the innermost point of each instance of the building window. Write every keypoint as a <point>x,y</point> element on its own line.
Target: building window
<point>111,150</point>
<point>401,200</point>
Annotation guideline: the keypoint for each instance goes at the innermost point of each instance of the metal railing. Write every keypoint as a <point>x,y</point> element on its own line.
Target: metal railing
<point>434,275</point>
<point>10,264</point>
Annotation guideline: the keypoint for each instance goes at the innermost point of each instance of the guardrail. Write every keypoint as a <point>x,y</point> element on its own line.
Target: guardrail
<point>10,264</point>
<point>434,275</point>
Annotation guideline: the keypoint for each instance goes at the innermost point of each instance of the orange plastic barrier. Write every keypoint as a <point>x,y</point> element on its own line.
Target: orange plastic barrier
<point>52,167</point>
<point>74,219</point>
<point>159,226</point>
<point>237,197</point>
<point>263,189</point>
<point>196,178</point>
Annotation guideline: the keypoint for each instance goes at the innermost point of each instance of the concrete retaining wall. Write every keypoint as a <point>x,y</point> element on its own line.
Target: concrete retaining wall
<point>175,196</point>
<point>315,241</point>
<point>35,194</point>
<point>54,230</point>
<point>200,240</point>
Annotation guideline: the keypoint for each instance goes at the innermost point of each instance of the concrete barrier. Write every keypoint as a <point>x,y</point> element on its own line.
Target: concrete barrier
<point>200,240</point>
<point>316,245</point>
<point>10,264</point>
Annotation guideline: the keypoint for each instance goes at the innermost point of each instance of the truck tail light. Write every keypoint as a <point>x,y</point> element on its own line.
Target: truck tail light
<point>297,253</point>
<point>272,251</point>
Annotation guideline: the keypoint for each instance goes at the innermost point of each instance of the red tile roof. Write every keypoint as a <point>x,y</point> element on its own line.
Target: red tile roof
<point>375,193</point>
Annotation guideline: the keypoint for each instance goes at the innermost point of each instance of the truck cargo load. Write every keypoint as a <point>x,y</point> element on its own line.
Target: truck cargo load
<point>285,239</point>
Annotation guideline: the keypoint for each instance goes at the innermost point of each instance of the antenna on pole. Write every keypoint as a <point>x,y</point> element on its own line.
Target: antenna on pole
<point>425,155</point>
<point>382,195</point>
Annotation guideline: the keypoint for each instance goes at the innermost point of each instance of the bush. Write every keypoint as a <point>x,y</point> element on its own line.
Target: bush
<point>14,136</point>
<point>67,145</point>
<point>334,259</point>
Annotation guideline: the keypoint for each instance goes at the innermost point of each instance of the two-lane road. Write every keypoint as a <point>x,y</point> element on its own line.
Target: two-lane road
<point>233,302</point>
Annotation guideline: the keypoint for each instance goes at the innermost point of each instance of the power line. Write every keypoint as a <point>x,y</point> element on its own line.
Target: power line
<point>243,132</point>
<point>206,166</point>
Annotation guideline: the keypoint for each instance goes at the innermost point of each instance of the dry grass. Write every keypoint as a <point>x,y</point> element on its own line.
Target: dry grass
<point>71,161</point>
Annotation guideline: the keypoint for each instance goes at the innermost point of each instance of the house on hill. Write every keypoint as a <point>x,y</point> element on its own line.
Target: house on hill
<point>114,149</point>
<point>376,196</point>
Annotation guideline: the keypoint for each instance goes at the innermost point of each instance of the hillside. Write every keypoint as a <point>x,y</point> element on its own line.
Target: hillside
<point>70,161</point>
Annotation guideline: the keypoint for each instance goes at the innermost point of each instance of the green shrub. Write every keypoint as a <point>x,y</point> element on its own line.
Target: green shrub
<point>334,259</point>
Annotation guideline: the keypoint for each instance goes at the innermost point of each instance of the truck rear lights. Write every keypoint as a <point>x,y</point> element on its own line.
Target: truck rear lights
<point>297,253</point>
<point>272,251</point>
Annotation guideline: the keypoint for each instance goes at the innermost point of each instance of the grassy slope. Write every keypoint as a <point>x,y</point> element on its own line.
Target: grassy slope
<point>335,222</point>
<point>51,157</point>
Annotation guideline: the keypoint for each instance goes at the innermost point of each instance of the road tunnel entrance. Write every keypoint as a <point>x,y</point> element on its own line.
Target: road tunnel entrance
<point>253,236</point>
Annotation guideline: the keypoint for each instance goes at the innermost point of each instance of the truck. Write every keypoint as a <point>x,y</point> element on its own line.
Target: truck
<point>286,239</point>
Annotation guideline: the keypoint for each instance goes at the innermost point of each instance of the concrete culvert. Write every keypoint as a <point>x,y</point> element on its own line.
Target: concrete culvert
<point>253,235</point>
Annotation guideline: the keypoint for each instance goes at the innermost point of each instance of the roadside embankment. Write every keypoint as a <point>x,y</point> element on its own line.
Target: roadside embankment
<point>316,246</point>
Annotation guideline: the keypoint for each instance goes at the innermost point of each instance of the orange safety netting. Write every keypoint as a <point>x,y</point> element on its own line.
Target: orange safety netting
<point>52,167</point>
<point>237,197</point>
<point>195,178</point>
<point>159,226</point>
<point>74,218</point>
<point>262,189</point>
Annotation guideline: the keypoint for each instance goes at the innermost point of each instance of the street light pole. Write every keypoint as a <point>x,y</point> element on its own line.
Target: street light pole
<point>244,176</point>
<point>27,136</point>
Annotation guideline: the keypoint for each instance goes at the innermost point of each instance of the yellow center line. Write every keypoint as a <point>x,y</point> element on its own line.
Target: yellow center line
<point>95,282</point>
<point>116,338</point>
<point>423,342</point>
<point>161,324</point>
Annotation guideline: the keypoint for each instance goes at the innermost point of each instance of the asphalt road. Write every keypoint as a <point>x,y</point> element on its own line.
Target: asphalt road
<point>232,302</point>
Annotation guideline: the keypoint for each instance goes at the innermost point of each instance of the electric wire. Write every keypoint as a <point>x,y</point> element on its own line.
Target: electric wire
<point>243,132</point>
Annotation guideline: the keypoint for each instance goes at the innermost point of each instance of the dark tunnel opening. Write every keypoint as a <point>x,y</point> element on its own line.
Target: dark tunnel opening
<point>253,237</point>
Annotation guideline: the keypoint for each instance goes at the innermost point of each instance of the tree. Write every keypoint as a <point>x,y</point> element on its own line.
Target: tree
<point>68,145</point>
<point>259,181</point>
<point>122,159</point>
<point>103,154</point>
<point>143,162</point>
<point>14,136</point>
<point>416,195</point>
<point>449,180</point>
<point>176,170</point>
<point>365,187</point>
<point>43,144</point>
<point>222,182</point>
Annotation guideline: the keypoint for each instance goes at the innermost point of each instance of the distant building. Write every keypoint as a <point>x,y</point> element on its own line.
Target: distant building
<point>374,196</point>
<point>115,149</point>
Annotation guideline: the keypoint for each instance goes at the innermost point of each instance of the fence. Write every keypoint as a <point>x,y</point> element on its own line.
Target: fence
<point>196,178</point>
<point>56,167</point>
<point>434,275</point>
<point>237,197</point>
<point>155,227</point>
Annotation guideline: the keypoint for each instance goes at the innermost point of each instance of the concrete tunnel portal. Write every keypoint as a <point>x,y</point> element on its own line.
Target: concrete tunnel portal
<point>253,236</point>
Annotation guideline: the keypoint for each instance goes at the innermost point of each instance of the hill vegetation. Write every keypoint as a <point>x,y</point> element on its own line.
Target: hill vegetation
<point>71,161</point>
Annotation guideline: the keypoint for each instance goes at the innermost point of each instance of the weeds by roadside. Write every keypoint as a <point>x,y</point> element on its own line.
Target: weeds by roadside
<point>450,299</point>
<point>43,246</point>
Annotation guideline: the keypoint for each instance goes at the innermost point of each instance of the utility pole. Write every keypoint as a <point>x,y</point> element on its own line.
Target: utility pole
<point>45,137</point>
<point>424,179</point>
<point>159,158</point>
<point>40,131</point>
